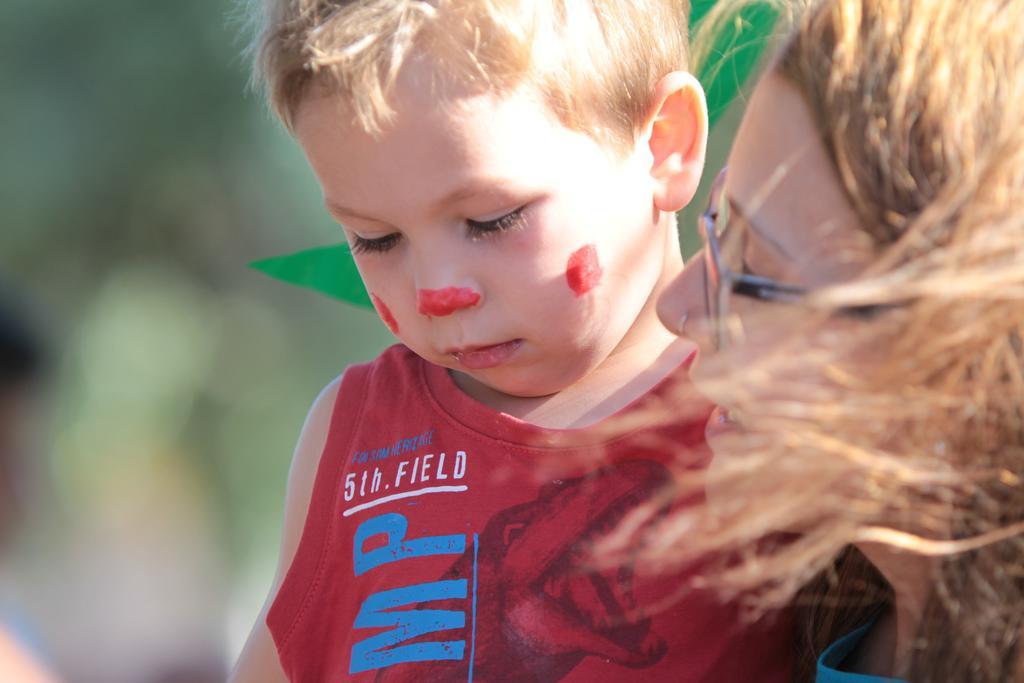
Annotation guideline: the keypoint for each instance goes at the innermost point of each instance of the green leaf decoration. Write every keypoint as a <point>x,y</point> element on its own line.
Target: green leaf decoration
<point>330,270</point>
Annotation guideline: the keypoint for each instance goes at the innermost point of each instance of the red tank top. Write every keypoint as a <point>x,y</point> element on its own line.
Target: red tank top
<point>446,541</point>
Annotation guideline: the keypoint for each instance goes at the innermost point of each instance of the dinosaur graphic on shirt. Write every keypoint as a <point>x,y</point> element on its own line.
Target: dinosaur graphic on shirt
<point>542,608</point>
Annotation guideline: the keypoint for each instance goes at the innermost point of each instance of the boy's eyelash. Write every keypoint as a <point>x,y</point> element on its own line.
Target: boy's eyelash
<point>362,245</point>
<point>477,229</point>
<point>510,221</point>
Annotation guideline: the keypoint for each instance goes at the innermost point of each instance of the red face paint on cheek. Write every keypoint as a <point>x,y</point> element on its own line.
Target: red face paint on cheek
<point>441,302</point>
<point>583,272</point>
<point>385,313</point>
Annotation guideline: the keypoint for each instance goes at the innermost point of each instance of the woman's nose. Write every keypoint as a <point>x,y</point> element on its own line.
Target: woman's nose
<point>682,306</point>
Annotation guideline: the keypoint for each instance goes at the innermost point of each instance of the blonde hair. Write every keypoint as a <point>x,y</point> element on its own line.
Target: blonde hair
<point>596,62</point>
<point>910,433</point>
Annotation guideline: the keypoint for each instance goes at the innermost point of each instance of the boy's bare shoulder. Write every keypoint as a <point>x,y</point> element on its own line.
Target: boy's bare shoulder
<point>313,439</point>
<point>318,420</point>
<point>258,662</point>
<point>315,429</point>
<point>302,473</point>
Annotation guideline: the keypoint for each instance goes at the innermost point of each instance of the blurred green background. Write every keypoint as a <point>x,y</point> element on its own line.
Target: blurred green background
<point>138,179</point>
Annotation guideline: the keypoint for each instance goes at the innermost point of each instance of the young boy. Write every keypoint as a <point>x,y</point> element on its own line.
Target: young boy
<point>506,173</point>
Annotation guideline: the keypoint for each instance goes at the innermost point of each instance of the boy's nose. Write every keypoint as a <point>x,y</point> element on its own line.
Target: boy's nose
<point>441,302</point>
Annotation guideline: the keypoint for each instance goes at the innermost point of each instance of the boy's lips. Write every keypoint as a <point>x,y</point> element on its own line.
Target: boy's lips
<point>483,357</point>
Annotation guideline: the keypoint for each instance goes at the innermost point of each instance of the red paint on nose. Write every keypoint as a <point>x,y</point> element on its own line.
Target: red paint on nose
<point>440,302</point>
<point>385,313</point>
<point>583,272</point>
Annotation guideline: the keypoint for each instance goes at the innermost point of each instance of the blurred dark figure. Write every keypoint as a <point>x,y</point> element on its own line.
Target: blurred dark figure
<point>20,370</point>
<point>20,367</point>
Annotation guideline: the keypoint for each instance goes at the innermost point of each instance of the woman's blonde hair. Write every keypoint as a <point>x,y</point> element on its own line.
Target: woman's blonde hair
<point>911,431</point>
<point>595,62</point>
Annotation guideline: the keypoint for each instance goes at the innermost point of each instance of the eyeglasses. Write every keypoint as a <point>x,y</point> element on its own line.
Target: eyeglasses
<point>724,269</point>
<point>725,273</point>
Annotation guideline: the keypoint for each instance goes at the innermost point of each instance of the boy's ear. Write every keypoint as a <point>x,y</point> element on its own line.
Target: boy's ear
<point>677,133</point>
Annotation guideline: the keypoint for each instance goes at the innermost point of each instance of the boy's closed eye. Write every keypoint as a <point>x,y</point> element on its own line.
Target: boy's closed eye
<point>512,220</point>
<point>377,245</point>
<point>476,229</point>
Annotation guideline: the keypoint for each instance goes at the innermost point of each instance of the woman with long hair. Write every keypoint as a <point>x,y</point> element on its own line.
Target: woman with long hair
<point>860,307</point>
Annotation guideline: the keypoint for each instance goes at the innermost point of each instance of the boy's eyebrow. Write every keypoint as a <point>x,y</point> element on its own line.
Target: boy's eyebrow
<point>338,209</point>
<point>471,188</point>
